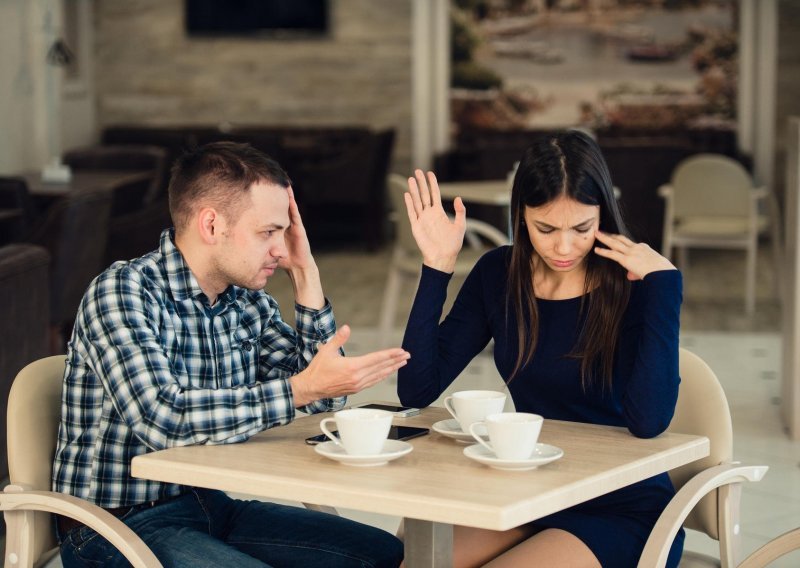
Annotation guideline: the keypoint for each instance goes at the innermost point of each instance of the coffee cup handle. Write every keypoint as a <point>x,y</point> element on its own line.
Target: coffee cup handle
<point>448,404</point>
<point>328,433</point>
<point>479,439</point>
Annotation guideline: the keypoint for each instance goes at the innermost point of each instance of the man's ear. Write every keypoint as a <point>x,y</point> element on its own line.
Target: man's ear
<point>210,225</point>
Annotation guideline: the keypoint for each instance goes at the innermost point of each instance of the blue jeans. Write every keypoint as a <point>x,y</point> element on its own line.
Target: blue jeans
<point>206,528</point>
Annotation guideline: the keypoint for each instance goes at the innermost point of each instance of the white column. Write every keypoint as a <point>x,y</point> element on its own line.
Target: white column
<point>745,93</point>
<point>790,399</point>
<point>765,78</point>
<point>430,78</point>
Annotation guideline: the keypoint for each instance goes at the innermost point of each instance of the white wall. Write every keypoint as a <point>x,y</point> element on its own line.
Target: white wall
<point>21,137</point>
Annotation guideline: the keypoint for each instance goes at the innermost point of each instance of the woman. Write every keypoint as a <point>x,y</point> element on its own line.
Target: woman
<point>585,328</point>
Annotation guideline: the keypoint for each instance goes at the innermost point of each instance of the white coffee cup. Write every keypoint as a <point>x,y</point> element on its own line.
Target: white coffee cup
<point>474,405</point>
<point>362,431</point>
<point>513,435</point>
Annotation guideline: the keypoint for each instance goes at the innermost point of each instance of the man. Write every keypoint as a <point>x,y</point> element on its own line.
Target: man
<point>182,346</point>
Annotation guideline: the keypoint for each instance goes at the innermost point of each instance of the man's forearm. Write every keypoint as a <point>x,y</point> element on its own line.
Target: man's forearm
<point>307,288</point>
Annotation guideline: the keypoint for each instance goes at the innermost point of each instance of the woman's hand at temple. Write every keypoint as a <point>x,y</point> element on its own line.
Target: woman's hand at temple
<point>438,237</point>
<point>637,258</point>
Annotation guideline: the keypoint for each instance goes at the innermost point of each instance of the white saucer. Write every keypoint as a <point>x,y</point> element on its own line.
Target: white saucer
<point>542,454</point>
<point>452,429</point>
<point>392,450</point>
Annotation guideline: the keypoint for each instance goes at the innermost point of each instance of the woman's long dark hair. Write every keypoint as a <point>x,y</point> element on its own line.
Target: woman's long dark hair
<point>568,164</point>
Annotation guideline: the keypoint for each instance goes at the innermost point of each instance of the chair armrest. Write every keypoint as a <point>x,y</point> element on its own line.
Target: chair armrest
<point>773,550</point>
<point>17,499</point>
<point>665,191</point>
<point>658,544</point>
<point>492,234</point>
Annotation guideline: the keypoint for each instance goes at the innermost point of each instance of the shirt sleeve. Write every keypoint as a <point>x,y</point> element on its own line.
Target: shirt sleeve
<point>648,403</point>
<point>439,352</point>
<point>286,352</point>
<point>122,319</point>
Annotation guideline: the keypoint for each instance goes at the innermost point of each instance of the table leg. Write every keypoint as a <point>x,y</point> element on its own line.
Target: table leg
<point>428,544</point>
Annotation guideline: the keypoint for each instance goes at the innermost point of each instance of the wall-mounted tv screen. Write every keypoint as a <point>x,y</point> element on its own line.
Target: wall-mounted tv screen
<point>257,17</point>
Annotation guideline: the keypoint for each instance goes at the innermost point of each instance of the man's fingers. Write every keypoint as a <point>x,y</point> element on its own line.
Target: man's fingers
<point>340,338</point>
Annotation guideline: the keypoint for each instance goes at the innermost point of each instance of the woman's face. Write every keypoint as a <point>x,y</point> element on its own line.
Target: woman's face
<point>562,232</point>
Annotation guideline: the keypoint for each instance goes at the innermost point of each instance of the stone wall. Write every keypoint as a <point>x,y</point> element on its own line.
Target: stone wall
<point>149,71</point>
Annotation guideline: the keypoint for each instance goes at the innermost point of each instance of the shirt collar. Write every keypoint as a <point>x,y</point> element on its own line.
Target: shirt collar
<point>182,282</point>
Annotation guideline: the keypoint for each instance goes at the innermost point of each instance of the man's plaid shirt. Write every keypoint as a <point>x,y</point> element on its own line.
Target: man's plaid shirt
<point>151,365</point>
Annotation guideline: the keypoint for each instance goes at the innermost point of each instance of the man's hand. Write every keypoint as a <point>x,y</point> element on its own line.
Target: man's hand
<point>300,263</point>
<point>330,374</point>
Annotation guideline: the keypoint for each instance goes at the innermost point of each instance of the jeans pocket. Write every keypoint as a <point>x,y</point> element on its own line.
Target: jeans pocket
<point>84,547</point>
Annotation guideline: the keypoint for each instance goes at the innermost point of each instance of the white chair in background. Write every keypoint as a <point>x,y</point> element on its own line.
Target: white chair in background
<point>711,202</point>
<point>406,260</point>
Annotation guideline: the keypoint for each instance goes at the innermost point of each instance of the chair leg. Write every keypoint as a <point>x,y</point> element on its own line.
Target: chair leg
<point>776,235</point>
<point>750,279</point>
<point>389,306</point>
<point>730,534</point>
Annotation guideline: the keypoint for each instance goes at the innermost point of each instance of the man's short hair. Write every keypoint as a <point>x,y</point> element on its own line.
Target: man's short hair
<point>219,175</point>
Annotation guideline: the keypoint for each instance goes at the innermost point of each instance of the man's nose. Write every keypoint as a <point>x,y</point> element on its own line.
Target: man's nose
<point>279,250</point>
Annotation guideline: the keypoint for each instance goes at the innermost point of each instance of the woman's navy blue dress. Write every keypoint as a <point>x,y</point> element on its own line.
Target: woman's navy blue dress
<point>642,398</point>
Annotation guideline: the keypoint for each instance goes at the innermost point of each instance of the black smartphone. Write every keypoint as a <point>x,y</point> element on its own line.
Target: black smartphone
<point>401,411</point>
<point>395,433</point>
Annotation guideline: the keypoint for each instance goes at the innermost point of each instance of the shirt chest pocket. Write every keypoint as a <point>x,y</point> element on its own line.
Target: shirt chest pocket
<point>243,365</point>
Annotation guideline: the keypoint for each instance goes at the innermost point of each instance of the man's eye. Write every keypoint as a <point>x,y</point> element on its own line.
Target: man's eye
<point>583,230</point>
<point>545,231</point>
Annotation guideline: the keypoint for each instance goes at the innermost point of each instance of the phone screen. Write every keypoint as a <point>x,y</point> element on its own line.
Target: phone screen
<point>395,433</point>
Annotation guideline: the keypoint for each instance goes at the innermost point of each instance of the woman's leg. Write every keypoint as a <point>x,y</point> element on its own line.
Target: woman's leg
<point>551,548</point>
<point>475,547</point>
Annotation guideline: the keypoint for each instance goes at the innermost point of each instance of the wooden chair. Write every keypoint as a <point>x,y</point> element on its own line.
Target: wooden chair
<point>712,202</point>
<point>708,490</point>
<point>34,412</point>
<point>407,262</point>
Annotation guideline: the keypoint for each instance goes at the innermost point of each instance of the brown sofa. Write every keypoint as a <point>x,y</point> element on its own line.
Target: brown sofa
<point>24,294</point>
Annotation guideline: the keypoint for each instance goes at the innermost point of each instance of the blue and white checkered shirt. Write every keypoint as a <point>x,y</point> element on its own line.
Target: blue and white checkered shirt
<point>152,365</point>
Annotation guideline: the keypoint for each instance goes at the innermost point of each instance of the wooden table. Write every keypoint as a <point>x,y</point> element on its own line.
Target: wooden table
<point>433,487</point>
<point>492,192</point>
<point>83,180</point>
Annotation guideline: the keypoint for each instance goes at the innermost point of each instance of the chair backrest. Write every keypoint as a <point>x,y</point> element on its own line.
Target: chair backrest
<point>14,194</point>
<point>34,413</point>
<point>397,185</point>
<point>711,185</point>
<point>75,233</point>
<point>702,409</point>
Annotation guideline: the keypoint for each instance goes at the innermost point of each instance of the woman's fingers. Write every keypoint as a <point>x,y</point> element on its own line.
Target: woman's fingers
<point>424,192</point>
<point>616,242</point>
<point>413,190</point>
<point>436,196</point>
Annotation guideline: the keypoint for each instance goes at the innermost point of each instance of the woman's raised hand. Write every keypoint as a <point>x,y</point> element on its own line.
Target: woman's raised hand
<point>438,237</point>
<point>637,258</point>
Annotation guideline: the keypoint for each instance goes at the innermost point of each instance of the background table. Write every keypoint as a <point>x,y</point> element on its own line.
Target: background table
<point>83,180</point>
<point>433,487</point>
